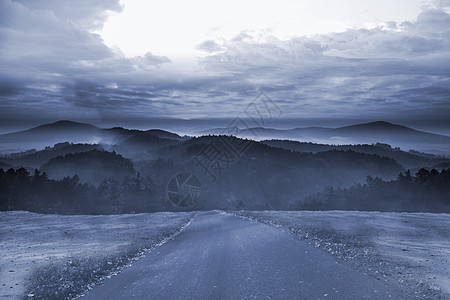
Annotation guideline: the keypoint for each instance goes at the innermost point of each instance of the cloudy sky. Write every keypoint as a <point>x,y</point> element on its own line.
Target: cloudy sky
<point>125,62</point>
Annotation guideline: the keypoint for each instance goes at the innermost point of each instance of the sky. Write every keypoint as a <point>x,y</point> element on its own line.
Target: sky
<point>129,62</point>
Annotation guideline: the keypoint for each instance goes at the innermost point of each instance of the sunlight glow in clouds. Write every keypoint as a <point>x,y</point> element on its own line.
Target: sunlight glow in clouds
<point>381,60</point>
<point>175,27</point>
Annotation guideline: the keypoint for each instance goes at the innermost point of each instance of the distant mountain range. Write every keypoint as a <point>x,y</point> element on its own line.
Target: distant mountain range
<point>383,130</point>
<point>374,132</point>
<point>74,132</point>
<point>380,131</point>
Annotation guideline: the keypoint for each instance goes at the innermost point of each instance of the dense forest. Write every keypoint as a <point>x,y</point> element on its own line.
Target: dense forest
<point>132,175</point>
<point>92,166</point>
<point>427,191</point>
<point>409,159</point>
<point>35,192</point>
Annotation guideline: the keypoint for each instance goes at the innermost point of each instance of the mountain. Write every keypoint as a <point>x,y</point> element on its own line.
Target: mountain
<point>382,130</point>
<point>59,130</point>
<point>368,133</point>
<point>234,172</point>
<point>48,135</point>
<point>73,132</point>
<point>396,135</point>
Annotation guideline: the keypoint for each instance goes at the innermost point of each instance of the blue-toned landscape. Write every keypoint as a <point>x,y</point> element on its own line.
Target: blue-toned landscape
<point>211,150</point>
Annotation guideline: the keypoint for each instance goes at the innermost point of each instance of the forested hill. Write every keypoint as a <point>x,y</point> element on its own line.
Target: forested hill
<point>410,159</point>
<point>91,167</point>
<point>234,173</point>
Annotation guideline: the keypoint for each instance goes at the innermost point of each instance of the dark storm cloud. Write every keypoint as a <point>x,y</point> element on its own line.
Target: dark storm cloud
<point>51,63</point>
<point>359,71</point>
<point>49,57</point>
<point>90,14</point>
<point>8,87</point>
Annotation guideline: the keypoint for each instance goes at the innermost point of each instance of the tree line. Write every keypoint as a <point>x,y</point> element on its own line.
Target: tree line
<point>35,192</point>
<point>426,191</point>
